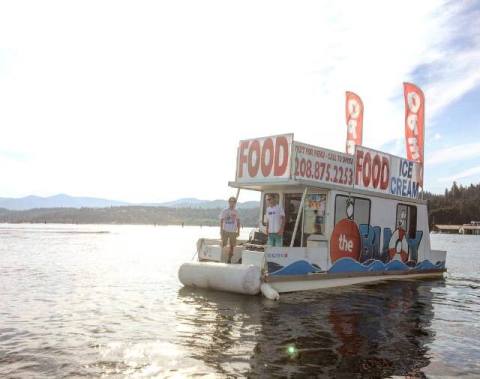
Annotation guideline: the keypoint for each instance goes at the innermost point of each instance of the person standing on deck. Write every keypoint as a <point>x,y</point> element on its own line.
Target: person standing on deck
<point>230,226</point>
<point>275,221</point>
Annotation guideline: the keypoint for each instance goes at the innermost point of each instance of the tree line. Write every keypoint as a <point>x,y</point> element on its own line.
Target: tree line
<point>125,215</point>
<point>458,205</point>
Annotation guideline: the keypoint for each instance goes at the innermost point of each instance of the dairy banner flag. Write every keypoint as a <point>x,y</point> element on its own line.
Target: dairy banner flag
<point>414,123</point>
<point>354,118</point>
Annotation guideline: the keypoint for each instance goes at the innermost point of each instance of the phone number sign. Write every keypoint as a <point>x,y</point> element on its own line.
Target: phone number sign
<point>322,165</point>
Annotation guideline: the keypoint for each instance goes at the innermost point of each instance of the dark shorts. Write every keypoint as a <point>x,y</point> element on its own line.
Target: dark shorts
<point>229,236</point>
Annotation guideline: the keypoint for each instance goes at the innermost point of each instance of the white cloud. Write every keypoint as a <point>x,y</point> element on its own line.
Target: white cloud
<point>146,101</point>
<point>454,153</point>
<point>454,70</point>
<point>462,175</point>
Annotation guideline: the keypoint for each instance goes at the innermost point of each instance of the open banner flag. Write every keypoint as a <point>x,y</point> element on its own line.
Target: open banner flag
<point>414,121</point>
<point>354,117</point>
<point>414,125</point>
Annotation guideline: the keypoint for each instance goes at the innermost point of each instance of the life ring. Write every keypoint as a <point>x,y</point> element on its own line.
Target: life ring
<point>398,246</point>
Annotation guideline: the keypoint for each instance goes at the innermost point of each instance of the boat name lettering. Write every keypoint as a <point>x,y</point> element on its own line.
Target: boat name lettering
<point>345,244</point>
<point>277,255</point>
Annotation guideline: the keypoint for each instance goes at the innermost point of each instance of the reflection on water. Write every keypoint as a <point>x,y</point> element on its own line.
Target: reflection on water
<point>380,330</point>
<point>105,301</point>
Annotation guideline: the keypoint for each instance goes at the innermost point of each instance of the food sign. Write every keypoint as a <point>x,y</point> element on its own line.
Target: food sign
<point>322,165</point>
<point>385,173</point>
<point>264,159</point>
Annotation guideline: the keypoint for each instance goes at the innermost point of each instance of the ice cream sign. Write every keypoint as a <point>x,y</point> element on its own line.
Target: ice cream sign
<point>381,172</point>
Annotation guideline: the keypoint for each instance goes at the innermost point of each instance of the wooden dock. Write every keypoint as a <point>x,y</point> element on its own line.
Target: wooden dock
<point>472,228</point>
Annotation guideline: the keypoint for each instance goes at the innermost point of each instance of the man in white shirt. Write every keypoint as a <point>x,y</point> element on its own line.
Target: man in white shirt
<point>275,221</point>
<point>230,226</point>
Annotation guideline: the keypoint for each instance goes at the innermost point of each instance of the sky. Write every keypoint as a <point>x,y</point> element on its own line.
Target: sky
<point>145,101</point>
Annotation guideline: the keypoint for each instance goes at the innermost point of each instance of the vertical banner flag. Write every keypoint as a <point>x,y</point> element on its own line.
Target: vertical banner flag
<point>414,124</point>
<point>354,116</point>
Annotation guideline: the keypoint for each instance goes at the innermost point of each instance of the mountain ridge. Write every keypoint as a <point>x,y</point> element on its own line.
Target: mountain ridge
<point>67,201</point>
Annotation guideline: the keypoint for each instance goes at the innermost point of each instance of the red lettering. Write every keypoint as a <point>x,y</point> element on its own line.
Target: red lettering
<point>267,148</point>
<point>385,176</point>
<point>253,165</point>
<point>281,148</point>
<point>242,157</point>
<point>359,166</point>
<point>367,169</point>
<point>376,170</point>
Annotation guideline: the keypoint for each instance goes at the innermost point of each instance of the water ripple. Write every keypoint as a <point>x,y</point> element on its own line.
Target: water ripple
<point>96,301</point>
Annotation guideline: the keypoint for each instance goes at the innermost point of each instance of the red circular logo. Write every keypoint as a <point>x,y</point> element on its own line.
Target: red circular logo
<point>345,241</point>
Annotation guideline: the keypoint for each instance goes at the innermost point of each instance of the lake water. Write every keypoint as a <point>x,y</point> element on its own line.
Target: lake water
<point>91,301</point>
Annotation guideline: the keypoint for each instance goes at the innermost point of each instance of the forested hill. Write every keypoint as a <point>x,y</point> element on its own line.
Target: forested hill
<point>459,205</point>
<point>125,215</point>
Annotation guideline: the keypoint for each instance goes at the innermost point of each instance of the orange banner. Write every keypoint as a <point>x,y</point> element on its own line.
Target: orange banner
<point>354,116</point>
<point>414,124</point>
<point>414,121</point>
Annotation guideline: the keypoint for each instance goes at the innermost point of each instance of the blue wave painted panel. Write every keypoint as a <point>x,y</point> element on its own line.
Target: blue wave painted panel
<point>297,268</point>
<point>273,266</point>
<point>396,266</point>
<point>425,265</point>
<point>347,265</point>
<point>376,266</point>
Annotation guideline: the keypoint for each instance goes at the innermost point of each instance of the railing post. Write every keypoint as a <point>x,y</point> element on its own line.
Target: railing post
<point>297,221</point>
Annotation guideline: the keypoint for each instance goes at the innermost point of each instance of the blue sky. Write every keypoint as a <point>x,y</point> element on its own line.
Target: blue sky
<point>453,133</point>
<point>147,101</point>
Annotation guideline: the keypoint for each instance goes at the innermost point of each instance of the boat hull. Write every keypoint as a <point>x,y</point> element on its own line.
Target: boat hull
<point>293,283</point>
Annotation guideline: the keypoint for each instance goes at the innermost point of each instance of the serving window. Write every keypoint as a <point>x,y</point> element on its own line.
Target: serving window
<point>314,214</point>
<point>292,207</point>
<point>407,219</point>
<point>356,208</point>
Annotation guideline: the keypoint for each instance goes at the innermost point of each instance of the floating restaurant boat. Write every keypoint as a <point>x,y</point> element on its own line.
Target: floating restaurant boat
<point>349,219</point>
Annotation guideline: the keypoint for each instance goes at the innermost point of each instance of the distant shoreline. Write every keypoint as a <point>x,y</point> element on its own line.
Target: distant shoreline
<point>99,223</point>
<point>460,205</point>
<point>125,215</point>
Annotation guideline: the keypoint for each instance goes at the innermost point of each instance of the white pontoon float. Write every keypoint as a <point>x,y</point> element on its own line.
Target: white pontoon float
<point>349,219</point>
